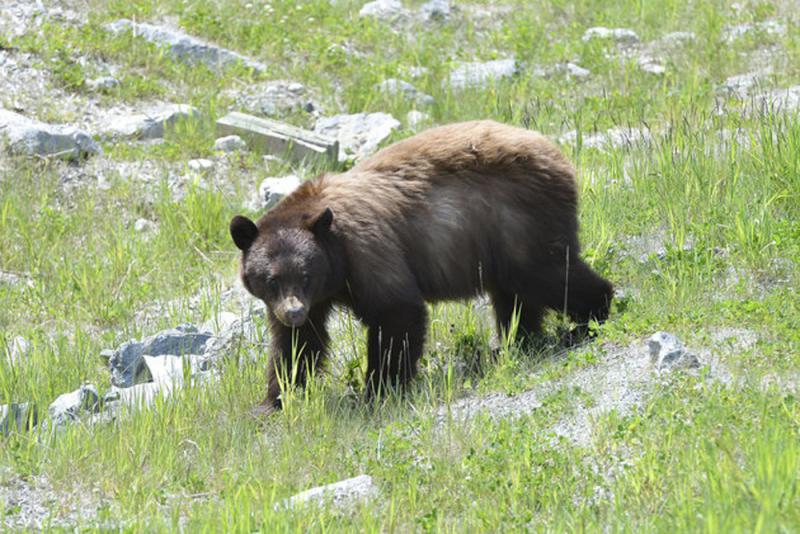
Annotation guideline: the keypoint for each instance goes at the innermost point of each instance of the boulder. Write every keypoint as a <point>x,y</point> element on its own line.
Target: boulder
<point>273,189</point>
<point>69,406</point>
<point>359,134</point>
<point>149,123</point>
<point>25,136</point>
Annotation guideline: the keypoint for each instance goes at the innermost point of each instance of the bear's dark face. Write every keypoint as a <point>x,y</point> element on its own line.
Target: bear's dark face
<point>286,267</point>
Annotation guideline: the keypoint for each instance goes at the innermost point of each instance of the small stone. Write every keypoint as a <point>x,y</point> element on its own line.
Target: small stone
<point>415,119</point>
<point>343,494</point>
<point>385,10</point>
<point>273,189</point>
<point>576,71</point>
<point>201,166</point>
<point>150,123</point>
<point>621,36</point>
<point>358,134</point>
<point>395,87</point>
<point>17,350</point>
<point>438,10</point>
<point>650,65</point>
<point>144,226</point>
<point>17,417</point>
<point>230,143</point>
<point>103,83</point>
<point>69,406</point>
<point>184,47</point>
<point>477,74</point>
<point>25,136</point>
<point>667,352</point>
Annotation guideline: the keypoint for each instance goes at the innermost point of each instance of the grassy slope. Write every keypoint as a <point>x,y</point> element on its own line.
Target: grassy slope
<point>700,456</point>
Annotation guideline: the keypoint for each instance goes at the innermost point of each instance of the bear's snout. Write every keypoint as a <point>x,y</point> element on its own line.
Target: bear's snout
<point>292,312</point>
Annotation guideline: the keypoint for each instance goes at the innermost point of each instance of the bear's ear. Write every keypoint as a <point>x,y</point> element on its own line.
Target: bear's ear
<point>243,231</point>
<point>323,222</point>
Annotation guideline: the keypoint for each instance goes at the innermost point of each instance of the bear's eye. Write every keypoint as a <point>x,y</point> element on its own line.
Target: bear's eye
<point>272,284</point>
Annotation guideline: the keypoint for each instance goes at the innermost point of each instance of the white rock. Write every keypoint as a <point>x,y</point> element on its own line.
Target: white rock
<point>667,352</point>
<point>395,87</point>
<point>415,119</point>
<point>200,165</point>
<point>477,74</point>
<point>576,71</point>
<point>184,47</point>
<point>358,134</point>
<point>767,27</point>
<point>435,10</point>
<point>273,189</point>
<point>621,36</point>
<point>742,85</point>
<point>386,10</point>
<point>650,65</point>
<point>30,137</point>
<point>137,396</point>
<point>17,350</point>
<point>613,138</point>
<point>341,494</point>
<point>230,143</point>
<point>150,123</point>
<point>103,83</point>
<point>69,406</point>
<point>169,368</point>
<point>144,226</point>
<point>781,100</point>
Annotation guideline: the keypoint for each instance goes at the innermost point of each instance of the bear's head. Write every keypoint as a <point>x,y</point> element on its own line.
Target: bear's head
<point>285,265</point>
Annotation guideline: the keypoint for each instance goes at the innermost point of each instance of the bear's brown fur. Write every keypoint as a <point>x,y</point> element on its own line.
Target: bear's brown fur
<point>453,212</point>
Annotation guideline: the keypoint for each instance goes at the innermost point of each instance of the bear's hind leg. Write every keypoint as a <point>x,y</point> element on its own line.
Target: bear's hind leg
<point>304,347</point>
<point>395,342</point>
<point>528,310</point>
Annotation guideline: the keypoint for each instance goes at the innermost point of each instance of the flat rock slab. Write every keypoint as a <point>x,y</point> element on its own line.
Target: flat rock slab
<point>341,494</point>
<point>184,47</point>
<point>149,123</point>
<point>30,137</point>
<point>358,134</point>
<point>480,74</point>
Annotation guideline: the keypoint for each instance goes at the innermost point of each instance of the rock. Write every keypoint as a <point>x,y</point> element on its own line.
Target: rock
<point>768,27</point>
<point>17,350</point>
<point>127,362</point>
<point>358,134</point>
<point>169,368</point>
<point>184,47</point>
<point>384,10</point>
<point>476,74</point>
<point>17,417</point>
<point>415,119</point>
<point>613,138</point>
<point>273,189</point>
<point>69,406</point>
<point>621,36</point>
<point>742,85</point>
<point>780,100</point>
<point>200,166</point>
<point>230,143</point>
<point>24,136</point>
<point>343,494</point>
<point>275,98</point>
<point>144,226</point>
<point>650,65</point>
<point>150,123</point>
<point>667,352</point>
<point>575,71</point>
<point>137,396</point>
<point>103,83</point>
<point>395,87</point>
<point>435,10</point>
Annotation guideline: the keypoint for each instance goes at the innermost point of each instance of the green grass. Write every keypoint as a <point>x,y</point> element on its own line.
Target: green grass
<point>698,455</point>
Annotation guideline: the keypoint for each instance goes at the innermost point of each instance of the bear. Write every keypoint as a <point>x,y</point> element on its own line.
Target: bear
<point>450,213</point>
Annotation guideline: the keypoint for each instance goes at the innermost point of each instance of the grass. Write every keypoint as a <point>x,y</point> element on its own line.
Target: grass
<point>698,455</point>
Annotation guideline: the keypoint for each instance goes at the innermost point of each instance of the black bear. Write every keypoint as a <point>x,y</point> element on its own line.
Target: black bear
<point>452,212</point>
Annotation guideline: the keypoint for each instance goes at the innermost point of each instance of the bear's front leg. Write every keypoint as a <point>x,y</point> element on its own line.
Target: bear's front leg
<point>296,352</point>
<point>395,341</point>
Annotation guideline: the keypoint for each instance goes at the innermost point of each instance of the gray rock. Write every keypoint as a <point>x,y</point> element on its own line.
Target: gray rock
<point>273,189</point>
<point>275,98</point>
<point>416,119</point>
<point>103,83</point>
<point>650,65</point>
<point>17,417</point>
<point>395,87</point>
<point>230,143</point>
<point>622,36</point>
<point>127,362</point>
<point>435,10</point>
<point>186,48</point>
<point>742,85</point>
<point>780,100</point>
<point>476,74</point>
<point>358,134</point>
<point>576,71</point>
<point>241,331</point>
<point>767,27</point>
<point>69,406</point>
<point>25,136</point>
<point>201,165</point>
<point>150,123</point>
<point>667,352</point>
<point>343,494</point>
<point>17,350</point>
<point>385,10</point>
